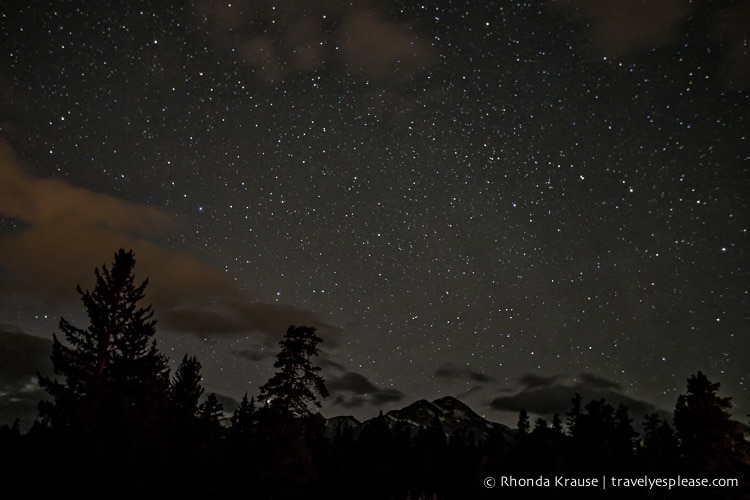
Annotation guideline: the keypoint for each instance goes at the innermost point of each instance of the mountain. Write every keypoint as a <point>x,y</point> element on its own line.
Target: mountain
<point>336,426</point>
<point>453,415</point>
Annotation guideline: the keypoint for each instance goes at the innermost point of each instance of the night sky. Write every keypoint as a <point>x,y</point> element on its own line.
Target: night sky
<point>506,202</point>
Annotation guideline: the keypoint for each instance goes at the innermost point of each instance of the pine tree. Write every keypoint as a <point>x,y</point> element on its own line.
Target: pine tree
<point>523,422</point>
<point>298,383</point>
<point>210,411</point>
<point>659,449</point>
<point>244,418</point>
<point>624,438</point>
<point>112,372</point>
<point>110,388</point>
<point>557,424</point>
<point>710,441</point>
<point>574,415</point>
<point>186,389</point>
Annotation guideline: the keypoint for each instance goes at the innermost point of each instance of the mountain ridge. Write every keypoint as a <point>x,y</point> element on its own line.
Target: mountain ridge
<point>453,415</point>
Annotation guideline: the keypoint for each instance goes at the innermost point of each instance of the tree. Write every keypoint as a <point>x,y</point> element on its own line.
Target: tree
<point>298,383</point>
<point>210,411</point>
<point>624,438</point>
<point>557,424</point>
<point>659,449</point>
<point>574,415</point>
<point>186,389</point>
<point>710,441</point>
<point>112,372</point>
<point>288,432</point>
<point>244,419</point>
<point>109,391</point>
<point>523,422</point>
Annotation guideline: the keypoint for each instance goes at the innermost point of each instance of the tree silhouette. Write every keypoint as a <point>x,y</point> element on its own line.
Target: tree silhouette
<point>298,383</point>
<point>244,419</point>
<point>624,439</point>
<point>659,450</point>
<point>210,412</point>
<point>112,372</point>
<point>523,422</point>
<point>710,441</point>
<point>186,430</point>
<point>601,438</point>
<point>287,429</point>
<point>109,392</point>
<point>242,437</point>
<point>186,388</point>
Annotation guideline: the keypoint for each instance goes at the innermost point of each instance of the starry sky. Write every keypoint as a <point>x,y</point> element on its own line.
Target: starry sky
<point>502,201</point>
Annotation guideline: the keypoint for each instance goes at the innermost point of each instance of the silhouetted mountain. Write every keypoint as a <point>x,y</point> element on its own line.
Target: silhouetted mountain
<point>453,415</point>
<point>338,425</point>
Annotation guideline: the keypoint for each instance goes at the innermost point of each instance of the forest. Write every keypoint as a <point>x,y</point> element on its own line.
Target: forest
<point>117,424</point>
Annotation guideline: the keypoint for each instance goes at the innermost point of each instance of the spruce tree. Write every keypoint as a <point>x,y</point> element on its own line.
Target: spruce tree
<point>111,373</point>
<point>523,422</point>
<point>659,450</point>
<point>298,383</point>
<point>186,389</point>
<point>211,412</point>
<point>710,441</point>
<point>244,418</point>
<point>288,431</point>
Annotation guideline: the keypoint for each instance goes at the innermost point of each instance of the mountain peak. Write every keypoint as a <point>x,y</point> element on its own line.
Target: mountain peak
<point>454,417</point>
<point>449,403</point>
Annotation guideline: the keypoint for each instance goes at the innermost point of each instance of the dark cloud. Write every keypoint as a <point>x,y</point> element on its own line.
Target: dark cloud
<point>597,382</point>
<point>544,400</point>
<point>275,40</point>
<point>455,371</point>
<point>469,392</point>
<point>622,27</point>
<point>732,27</point>
<point>625,26</point>
<point>384,396</point>
<point>327,363</point>
<point>352,382</point>
<point>228,404</point>
<point>354,390</point>
<point>254,355</point>
<point>549,395</point>
<point>375,47</point>
<point>69,230</point>
<point>231,317</point>
<point>22,356</point>
<point>531,380</point>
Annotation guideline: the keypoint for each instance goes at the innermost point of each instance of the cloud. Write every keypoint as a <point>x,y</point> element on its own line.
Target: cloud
<point>66,231</point>
<point>597,382</point>
<point>352,382</point>
<point>231,317</point>
<point>531,380</point>
<point>277,39</point>
<point>375,47</point>
<point>354,390</point>
<point>22,356</point>
<point>625,26</point>
<point>252,355</point>
<point>471,390</point>
<point>622,27</point>
<point>549,395</point>
<point>228,404</point>
<point>454,371</point>
<point>732,27</point>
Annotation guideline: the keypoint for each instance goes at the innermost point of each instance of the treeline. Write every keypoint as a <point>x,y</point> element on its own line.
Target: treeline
<point>591,441</point>
<point>117,424</point>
